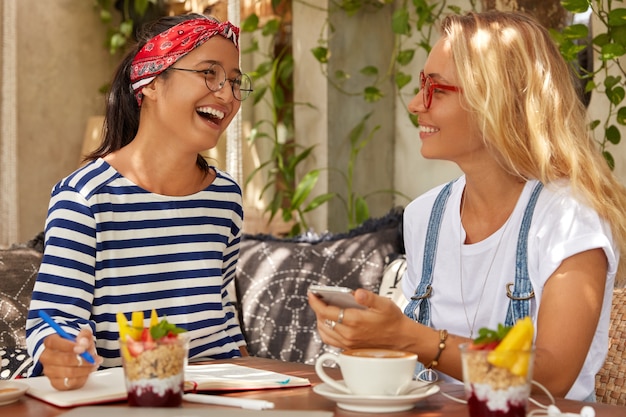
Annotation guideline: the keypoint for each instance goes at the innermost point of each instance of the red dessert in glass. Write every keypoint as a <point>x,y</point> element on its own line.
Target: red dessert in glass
<point>154,371</point>
<point>494,391</point>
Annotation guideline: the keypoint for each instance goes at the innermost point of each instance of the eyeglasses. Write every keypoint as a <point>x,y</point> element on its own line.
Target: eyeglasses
<point>215,79</point>
<point>428,86</point>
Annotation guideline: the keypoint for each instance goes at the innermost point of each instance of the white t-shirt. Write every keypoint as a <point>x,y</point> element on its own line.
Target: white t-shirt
<point>561,227</point>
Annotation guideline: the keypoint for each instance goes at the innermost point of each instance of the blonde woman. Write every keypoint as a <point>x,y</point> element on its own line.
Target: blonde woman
<point>537,215</point>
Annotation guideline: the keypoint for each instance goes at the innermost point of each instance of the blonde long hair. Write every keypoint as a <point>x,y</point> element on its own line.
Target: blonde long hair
<point>523,95</point>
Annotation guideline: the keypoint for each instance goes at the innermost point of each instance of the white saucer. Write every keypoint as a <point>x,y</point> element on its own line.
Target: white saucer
<point>11,391</point>
<point>378,403</point>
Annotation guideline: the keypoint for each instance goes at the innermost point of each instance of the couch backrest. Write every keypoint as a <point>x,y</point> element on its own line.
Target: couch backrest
<point>611,380</point>
<point>18,272</point>
<point>273,276</point>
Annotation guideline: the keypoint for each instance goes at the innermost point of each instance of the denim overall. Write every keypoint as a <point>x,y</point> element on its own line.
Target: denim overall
<point>520,295</point>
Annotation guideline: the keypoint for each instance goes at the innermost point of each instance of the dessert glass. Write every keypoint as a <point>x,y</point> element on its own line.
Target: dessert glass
<point>154,370</point>
<point>495,391</point>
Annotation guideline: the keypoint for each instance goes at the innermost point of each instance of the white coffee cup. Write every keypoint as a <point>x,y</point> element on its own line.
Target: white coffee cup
<point>370,371</point>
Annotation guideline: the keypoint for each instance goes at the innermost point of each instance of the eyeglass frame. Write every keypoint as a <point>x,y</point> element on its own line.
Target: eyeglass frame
<point>221,84</point>
<point>431,88</point>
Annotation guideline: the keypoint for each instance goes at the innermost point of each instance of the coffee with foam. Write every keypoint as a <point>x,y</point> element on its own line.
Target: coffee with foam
<point>378,353</point>
<point>370,371</point>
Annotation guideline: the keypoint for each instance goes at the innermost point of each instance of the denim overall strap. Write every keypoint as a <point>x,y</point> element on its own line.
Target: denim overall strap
<point>423,290</point>
<point>522,292</point>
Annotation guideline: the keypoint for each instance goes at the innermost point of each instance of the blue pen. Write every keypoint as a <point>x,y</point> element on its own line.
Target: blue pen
<point>64,334</point>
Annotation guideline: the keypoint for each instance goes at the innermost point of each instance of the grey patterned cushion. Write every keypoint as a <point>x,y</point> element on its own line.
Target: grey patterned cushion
<point>18,271</point>
<point>273,276</point>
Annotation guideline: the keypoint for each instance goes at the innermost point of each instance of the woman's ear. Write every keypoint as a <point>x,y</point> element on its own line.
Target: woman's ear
<point>149,91</point>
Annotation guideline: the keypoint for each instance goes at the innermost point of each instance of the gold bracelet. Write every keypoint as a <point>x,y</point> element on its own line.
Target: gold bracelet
<point>443,335</point>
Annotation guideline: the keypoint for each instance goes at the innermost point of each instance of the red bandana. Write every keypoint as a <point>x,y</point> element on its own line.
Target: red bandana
<point>160,52</point>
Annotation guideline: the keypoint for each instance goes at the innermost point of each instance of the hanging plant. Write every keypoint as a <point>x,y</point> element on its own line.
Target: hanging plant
<point>122,19</point>
<point>289,191</point>
<point>609,45</point>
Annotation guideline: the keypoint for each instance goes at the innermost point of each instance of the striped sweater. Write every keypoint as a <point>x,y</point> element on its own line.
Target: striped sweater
<point>111,246</point>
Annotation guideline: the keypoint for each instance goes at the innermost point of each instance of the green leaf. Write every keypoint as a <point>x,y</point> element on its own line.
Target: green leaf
<point>250,24</point>
<point>285,69</point>
<point>611,81</point>
<point>357,131</point>
<point>362,211</point>
<point>557,36</point>
<point>405,56</point>
<point>619,35</point>
<point>141,6</point>
<point>486,335</point>
<point>612,51</point>
<point>126,28</point>
<point>262,69</point>
<point>621,116</point>
<point>578,31</point>
<point>117,42</point>
<point>400,22</point>
<point>271,27</point>
<point>601,39</point>
<point>279,98</point>
<point>613,135</point>
<point>570,49</point>
<point>575,6</point>
<point>594,124</point>
<point>615,95</point>
<point>425,46</point>
<point>372,94</point>
<point>163,328</point>
<point>258,94</point>
<point>609,159</point>
<point>617,17</point>
<point>321,54</point>
<point>424,12</point>
<point>300,157</point>
<point>318,201</point>
<point>296,230</point>
<point>105,16</point>
<point>304,188</point>
<point>369,70</point>
<point>340,75</point>
<point>402,79</point>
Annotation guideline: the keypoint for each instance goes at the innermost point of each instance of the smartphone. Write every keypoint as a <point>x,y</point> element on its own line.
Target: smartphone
<point>337,296</point>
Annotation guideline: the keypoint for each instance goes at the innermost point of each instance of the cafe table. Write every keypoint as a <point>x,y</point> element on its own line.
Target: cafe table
<point>303,398</point>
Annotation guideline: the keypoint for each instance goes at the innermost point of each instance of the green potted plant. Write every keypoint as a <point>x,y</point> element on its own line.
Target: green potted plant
<point>287,190</point>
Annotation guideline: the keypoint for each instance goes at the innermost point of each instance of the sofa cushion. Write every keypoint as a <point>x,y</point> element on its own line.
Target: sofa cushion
<point>14,363</point>
<point>390,286</point>
<point>18,272</point>
<point>273,276</point>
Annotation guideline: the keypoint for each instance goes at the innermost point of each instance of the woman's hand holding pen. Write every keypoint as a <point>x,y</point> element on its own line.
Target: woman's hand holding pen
<point>62,361</point>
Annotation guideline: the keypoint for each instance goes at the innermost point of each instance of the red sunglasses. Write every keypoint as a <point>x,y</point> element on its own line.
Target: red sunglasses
<point>428,86</point>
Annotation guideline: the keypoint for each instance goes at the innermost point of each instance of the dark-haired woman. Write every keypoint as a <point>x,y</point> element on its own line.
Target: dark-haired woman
<point>147,223</point>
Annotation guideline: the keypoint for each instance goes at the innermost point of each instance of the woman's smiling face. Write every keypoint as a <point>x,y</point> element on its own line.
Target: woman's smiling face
<point>186,108</point>
<point>447,129</point>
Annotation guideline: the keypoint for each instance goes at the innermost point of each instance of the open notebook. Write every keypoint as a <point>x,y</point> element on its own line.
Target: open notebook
<point>108,385</point>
